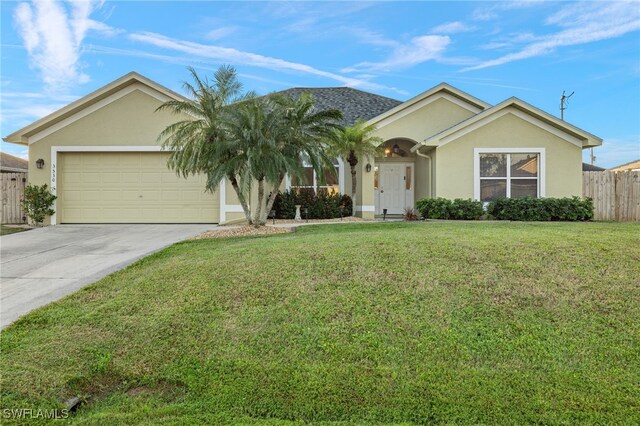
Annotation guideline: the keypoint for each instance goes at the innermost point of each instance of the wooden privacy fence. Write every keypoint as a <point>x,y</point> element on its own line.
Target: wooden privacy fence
<point>616,195</point>
<point>12,188</point>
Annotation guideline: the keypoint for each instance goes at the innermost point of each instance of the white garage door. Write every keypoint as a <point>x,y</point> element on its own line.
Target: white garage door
<point>130,187</point>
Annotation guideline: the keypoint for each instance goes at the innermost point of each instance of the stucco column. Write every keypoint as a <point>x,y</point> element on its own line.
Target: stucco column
<point>365,192</point>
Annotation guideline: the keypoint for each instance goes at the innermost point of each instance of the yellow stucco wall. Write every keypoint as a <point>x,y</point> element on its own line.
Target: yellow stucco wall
<point>130,120</point>
<point>424,122</point>
<point>563,160</point>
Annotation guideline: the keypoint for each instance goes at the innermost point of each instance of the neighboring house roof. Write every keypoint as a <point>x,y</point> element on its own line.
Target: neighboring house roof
<point>21,136</point>
<point>522,109</point>
<point>353,103</point>
<point>9,163</point>
<point>586,167</point>
<point>631,165</point>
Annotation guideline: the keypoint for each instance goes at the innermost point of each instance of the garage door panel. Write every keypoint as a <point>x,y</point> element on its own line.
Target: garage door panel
<point>191,196</point>
<point>112,196</point>
<point>130,177</point>
<point>150,195</point>
<point>71,196</point>
<point>130,187</point>
<point>150,177</point>
<point>110,178</point>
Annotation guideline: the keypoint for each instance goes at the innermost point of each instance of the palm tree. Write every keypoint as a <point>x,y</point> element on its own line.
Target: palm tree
<point>234,135</point>
<point>307,131</point>
<point>199,143</point>
<point>352,143</point>
<point>255,131</point>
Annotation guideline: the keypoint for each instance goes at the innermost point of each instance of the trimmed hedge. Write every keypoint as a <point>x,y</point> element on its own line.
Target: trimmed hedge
<point>542,209</point>
<point>322,205</point>
<point>442,208</point>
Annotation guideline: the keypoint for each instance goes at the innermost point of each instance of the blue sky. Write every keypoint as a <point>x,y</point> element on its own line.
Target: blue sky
<point>54,52</point>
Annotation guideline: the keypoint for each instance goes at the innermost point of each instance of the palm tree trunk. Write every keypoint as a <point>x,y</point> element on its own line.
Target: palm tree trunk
<point>241,198</point>
<point>353,162</point>
<point>354,186</point>
<point>272,198</point>
<point>258,212</point>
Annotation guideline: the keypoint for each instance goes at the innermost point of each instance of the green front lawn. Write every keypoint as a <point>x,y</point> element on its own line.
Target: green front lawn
<point>460,323</point>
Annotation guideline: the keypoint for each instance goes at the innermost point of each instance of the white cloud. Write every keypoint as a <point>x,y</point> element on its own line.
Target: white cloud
<point>233,56</point>
<point>34,95</point>
<point>369,37</point>
<point>485,13</point>
<point>582,23</point>
<point>219,33</point>
<point>418,50</point>
<point>452,28</point>
<point>53,36</point>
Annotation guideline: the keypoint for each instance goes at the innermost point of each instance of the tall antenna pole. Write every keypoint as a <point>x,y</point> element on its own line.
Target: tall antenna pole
<point>564,102</point>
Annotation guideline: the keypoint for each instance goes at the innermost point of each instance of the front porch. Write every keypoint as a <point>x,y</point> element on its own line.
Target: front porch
<point>395,180</point>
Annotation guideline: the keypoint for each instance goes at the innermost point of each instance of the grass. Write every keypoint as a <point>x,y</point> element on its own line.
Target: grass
<point>457,323</point>
<point>6,230</point>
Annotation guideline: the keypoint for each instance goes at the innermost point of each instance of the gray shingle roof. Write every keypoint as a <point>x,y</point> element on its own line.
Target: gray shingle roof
<point>10,163</point>
<point>353,103</point>
<point>586,167</point>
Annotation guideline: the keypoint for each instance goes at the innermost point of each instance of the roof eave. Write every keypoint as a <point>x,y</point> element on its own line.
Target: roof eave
<point>13,170</point>
<point>588,140</point>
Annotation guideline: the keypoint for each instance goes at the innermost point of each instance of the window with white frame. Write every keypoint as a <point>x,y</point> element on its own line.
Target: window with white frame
<point>509,174</point>
<point>310,179</point>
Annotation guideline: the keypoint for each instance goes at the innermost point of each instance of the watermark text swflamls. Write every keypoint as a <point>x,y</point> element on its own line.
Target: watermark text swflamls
<point>35,413</point>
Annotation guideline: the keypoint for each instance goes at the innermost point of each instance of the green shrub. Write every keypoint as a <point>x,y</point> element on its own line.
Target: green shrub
<point>323,205</point>
<point>434,208</point>
<point>461,209</point>
<point>442,208</point>
<point>541,209</point>
<point>37,202</point>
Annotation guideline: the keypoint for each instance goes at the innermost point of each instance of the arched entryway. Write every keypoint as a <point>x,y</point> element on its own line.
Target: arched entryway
<point>395,175</point>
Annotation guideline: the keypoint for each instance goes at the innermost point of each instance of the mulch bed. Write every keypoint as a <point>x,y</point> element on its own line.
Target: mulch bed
<point>242,231</point>
<point>247,231</point>
<point>345,219</point>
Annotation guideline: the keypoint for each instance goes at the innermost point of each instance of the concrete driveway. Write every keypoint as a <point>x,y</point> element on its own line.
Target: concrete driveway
<point>46,264</point>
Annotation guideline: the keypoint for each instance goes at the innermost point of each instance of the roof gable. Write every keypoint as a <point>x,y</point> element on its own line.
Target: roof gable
<point>94,100</point>
<point>442,90</point>
<point>523,110</point>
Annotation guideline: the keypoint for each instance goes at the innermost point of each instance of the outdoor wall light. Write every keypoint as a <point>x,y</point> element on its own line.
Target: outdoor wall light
<point>368,167</point>
<point>40,163</point>
<point>396,149</point>
<point>387,151</point>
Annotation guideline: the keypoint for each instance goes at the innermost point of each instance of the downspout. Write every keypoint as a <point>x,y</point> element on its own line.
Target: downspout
<point>428,157</point>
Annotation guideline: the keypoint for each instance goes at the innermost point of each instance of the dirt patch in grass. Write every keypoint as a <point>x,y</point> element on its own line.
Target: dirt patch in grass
<point>163,388</point>
<point>242,231</point>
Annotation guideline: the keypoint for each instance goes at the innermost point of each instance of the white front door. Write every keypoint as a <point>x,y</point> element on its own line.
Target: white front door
<point>395,193</point>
